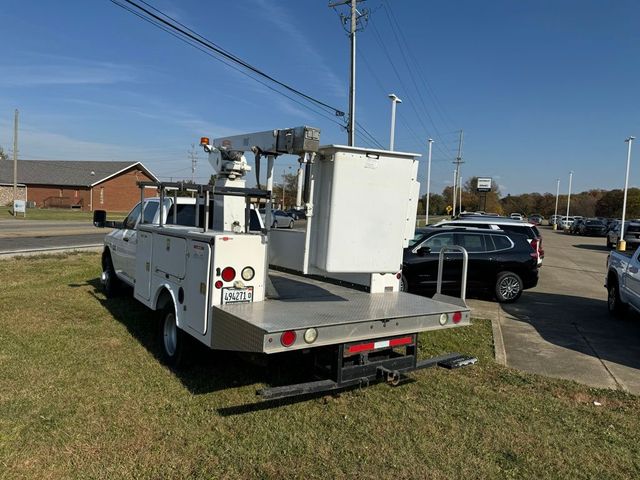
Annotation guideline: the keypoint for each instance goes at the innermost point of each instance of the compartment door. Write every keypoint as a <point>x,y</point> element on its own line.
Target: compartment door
<point>143,260</point>
<point>197,287</point>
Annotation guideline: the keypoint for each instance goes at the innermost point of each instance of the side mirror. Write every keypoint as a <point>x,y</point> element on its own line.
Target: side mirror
<point>422,251</point>
<point>99,218</point>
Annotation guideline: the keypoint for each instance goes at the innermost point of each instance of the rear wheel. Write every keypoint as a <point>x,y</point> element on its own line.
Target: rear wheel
<point>171,339</point>
<point>275,224</point>
<point>508,287</point>
<point>614,303</point>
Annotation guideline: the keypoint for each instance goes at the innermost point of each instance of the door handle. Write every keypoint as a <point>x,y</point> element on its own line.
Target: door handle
<point>126,239</point>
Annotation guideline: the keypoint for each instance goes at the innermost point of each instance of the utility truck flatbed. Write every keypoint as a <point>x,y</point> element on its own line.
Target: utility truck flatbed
<point>339,313</point>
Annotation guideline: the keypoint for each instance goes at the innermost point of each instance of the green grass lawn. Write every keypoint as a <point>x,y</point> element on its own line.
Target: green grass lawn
<point>62,214</point>
<point>83,396</point>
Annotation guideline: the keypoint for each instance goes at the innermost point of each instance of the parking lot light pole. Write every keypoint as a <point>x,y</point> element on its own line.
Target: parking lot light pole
<point>394,101</point>
<point>568,200</point>
<point>555,215</point>
<point>622,244</point>
<point>426,217</point>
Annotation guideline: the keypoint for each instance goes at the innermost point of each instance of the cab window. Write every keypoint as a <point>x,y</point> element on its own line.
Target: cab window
<point>132,218</point>
<point>150,210</point>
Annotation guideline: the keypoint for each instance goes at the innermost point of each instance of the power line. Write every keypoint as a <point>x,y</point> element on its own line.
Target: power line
<point>438,107</point>
<point>187,33</point>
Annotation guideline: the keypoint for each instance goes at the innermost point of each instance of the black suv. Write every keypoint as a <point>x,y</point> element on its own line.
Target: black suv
<point>500,262</point>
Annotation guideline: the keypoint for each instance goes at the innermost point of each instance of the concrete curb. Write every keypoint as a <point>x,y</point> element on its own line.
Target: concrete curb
<point>498,341</point>
<point>49,251</point>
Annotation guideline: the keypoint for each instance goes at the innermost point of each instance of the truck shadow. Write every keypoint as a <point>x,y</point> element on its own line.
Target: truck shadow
<point>206,370</point>
<point>580,324</point>
<point>598,248</point>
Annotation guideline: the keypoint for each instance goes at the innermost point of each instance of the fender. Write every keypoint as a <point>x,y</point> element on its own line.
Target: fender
<point>169,288</point>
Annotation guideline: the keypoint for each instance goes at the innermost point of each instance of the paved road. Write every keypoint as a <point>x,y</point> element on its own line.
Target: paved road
<point>562,328</point>
<point>10,228</point>
<point>64,241</point>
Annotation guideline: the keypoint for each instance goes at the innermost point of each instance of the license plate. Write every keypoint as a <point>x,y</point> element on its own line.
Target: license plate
<point>237,295</point>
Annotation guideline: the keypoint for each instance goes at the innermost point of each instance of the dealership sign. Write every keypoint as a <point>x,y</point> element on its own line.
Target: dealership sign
<point>484,184</point>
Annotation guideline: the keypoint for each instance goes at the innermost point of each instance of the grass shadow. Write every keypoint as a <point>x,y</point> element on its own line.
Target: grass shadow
<point>206,370</point>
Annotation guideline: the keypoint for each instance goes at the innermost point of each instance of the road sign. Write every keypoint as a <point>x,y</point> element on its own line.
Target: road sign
<point>449,208</point>
<point>484,184</point>
<point>19,206</point>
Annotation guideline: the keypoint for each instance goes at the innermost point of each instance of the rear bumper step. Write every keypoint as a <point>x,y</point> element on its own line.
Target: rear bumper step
<point>391,371</point>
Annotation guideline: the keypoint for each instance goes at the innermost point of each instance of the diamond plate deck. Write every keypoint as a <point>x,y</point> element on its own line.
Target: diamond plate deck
<point>299,303</point>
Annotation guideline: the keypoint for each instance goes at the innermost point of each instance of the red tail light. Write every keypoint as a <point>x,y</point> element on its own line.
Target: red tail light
<point>457,317</point>
<point>228,274</point>
<point>287,338</point>
<point>534,246</point>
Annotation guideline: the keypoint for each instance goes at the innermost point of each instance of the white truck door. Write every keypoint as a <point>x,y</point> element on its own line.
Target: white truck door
<point>120,243</point>
<point>631,281</point>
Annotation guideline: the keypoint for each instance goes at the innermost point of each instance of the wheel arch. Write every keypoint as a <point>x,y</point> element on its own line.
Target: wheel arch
<point>163,297</point>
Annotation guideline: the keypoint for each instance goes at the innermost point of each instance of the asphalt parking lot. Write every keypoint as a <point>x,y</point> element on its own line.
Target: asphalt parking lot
<point>562,328</point>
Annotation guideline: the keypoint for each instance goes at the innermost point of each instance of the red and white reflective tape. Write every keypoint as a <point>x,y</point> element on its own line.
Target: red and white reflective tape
<point>393,342</point>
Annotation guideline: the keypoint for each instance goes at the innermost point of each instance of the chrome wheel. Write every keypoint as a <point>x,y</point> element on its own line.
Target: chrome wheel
<point>170,334</point>
<point>509,288</point>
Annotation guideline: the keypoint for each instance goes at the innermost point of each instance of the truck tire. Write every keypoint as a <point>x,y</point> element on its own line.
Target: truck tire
<point>614,303</point>
<point>171,339</point>
<point>508,287</point>
<point>111,284</point>
<point>404,284</point>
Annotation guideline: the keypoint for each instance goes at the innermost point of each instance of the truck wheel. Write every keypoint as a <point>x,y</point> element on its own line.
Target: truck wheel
<point>614,304</point>
<point>508,287</point>
<point>110,282</point>
<point>171,339</point>
<point>404,284</point>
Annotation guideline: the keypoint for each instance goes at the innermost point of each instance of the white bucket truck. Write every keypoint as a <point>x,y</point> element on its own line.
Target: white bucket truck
<point>216,274</point>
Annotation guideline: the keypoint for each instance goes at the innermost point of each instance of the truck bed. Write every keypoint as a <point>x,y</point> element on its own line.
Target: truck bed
<point>339,314</point>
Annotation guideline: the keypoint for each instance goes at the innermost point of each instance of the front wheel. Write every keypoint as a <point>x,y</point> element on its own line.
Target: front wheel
<point>110,282</point>
<point>170,338</point>
<point>290,224</point>
<point>614,303</point>
<point>275,224</point>
<point>508,287</point>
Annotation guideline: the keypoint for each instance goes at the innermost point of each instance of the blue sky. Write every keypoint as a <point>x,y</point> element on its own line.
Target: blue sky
<point>539,87</point>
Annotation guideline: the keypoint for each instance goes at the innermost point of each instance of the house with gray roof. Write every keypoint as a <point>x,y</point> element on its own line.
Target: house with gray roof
<point>85,185</point>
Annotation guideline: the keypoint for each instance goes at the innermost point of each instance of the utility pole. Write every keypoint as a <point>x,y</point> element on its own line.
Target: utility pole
<point>622,244</point>
<point>569,198</point>
<point>454,192</point>
<point>457,162</point>
<point>15,160</point>
<point>460,193</point>
<point>426,218</point>
<point>555,215</point>
<point>194,162</point>
<point>353,20</point>
<point>394,101</point>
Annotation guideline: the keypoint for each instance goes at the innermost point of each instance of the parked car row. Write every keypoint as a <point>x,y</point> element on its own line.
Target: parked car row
<point>588,226</point>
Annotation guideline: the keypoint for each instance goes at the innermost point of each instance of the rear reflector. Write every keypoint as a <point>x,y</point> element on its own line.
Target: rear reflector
<point>457,317</point>
<point>393,342</point>
<point>287,338</point>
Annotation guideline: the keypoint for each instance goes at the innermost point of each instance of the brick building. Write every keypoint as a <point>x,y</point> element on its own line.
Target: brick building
<point>84,185</point>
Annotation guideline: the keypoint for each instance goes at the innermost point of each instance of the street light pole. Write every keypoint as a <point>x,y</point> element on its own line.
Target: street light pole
<point>426,218</point>
<point>555,215</point>
<point>569,198</point>
<point>622,245</point>
<point>394,101</point>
